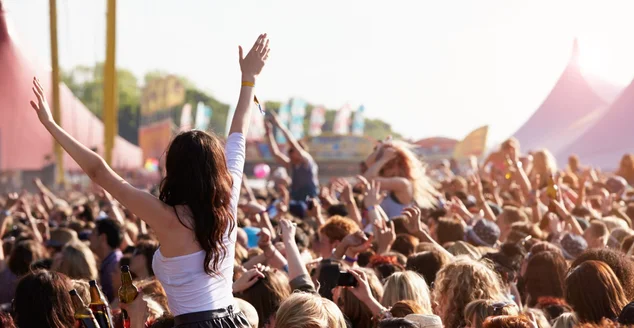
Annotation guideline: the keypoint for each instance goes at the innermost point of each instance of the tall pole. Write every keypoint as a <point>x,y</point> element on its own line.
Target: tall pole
<point>57,148</point>
<point>110,83</point>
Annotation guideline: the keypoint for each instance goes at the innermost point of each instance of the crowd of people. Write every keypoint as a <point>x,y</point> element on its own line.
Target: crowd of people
<point>512,241</point>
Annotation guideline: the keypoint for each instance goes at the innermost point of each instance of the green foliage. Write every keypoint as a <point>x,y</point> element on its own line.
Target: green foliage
<point>86,82</point>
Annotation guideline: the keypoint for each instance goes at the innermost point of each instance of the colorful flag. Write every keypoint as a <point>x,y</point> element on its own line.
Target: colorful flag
<point>203,116</point>
<point>298,113</point>
<point>341,124</point>
<point>473,144</point>
<point>317,120</point>
<point>256,128</point>
<point>284,114</point>
<point>358,122</point>
<point>186,118</point>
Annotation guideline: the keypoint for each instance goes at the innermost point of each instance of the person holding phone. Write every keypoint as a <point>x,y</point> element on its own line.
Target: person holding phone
<point>303,168</point>
<point>195,215</point>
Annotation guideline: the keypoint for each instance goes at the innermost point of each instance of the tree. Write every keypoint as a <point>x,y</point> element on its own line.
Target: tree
<point>86,83</point>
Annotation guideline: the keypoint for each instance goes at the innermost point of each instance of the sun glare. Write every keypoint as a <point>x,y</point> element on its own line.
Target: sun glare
<point>604,62</point>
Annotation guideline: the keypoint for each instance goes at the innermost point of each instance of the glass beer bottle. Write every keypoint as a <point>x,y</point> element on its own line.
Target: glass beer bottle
<point>99,306</point>
<point>552,191</point>
<point>83,315</point>
<point>127,292</point>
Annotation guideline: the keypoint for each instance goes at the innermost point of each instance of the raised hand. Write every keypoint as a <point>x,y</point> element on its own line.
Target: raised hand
<point>265,238</point>
<point>357,242</point>
<point>362,291</point>
<point>374,196</point>
<point>288,230</point>
<point>41,106</point>
<point>458,207</point>
<point>12,201</point>
<point>389,154</point>
<point>363,182</point>
<point>476,184</point>
<point>413,223</point>
<point>385,237</point>
<point>252,64</point>
<point>315,208</point>
<point>248,279</point>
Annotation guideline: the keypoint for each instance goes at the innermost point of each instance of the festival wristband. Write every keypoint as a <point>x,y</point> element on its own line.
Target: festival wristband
<point>255,98</point>
<point>349,259</point>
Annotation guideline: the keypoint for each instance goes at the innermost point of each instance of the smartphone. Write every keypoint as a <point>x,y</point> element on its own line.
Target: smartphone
<point>309,204</point>
<point>346,279</point>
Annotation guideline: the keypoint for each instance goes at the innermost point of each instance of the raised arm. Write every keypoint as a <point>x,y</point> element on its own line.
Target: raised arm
<point>251,66</point>
<point>143,204</point>
<point>275,149</point>
<point>289,136</point>
<point>390,184</point>
<point>296,266</point>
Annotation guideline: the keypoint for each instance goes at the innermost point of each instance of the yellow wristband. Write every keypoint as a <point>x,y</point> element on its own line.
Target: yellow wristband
<point>248,84</point>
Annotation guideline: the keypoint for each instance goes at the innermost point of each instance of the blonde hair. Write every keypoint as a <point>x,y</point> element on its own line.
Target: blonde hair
<point>407,285</point>
<point>83,289</point>
<point>478,310</point>
<point>461,282</point>
<point>304,310</point>
<point>77,262</point>
<point>544,164</point>
<point>423,190</point>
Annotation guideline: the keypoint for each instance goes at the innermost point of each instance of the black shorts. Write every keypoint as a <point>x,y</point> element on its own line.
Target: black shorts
<point>222,318</point>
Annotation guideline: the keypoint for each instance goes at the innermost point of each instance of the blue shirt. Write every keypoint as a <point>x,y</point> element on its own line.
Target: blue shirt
<point>109,265</point>
<point>304,180</point>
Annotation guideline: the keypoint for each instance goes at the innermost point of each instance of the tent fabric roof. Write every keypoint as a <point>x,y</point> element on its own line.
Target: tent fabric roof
<point>24,143</point>
<point>573,102</point>
<point>609,138</point>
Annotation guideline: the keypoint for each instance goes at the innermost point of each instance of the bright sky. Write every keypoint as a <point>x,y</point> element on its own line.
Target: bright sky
<point>427,67</point>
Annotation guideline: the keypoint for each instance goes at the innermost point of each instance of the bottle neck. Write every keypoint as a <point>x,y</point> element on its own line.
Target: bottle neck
<point>95,296</point>
<point>126,278</point>
<point>78,303</point>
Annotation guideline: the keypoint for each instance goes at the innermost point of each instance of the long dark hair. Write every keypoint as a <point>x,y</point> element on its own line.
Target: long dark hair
<point>197,178</point>
<point>42,300</point>
<point>545,275</point>
<point>601,295</point>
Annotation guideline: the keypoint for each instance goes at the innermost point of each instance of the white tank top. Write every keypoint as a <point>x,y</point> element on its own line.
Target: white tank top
<point>188,288</point>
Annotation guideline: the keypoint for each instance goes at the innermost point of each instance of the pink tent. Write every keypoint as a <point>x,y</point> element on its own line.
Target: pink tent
<point>609,138</point>
<point>24,143</point>
<point>574,104</point>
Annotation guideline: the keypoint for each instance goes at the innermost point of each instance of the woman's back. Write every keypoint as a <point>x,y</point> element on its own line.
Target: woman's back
<point>188,287</point>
